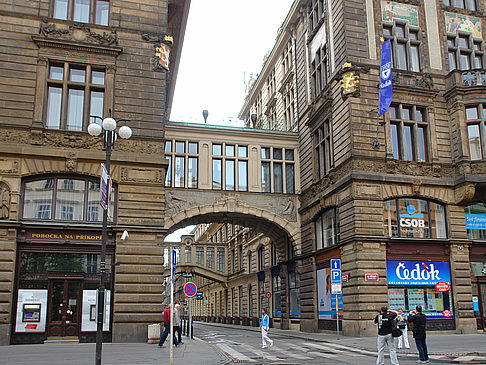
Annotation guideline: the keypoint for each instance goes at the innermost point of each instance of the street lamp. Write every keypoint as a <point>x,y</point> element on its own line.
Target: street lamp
<point>108,127</point>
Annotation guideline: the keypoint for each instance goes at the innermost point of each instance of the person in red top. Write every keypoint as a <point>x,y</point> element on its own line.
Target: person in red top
<point>167,328</point>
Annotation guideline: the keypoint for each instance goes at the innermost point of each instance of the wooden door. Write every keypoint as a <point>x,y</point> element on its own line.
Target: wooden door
<point>64,308</point>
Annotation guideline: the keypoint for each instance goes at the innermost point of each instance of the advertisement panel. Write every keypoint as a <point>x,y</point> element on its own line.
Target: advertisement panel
<point>327,301</point>
<point>31,310</point>
<point>417,272</point>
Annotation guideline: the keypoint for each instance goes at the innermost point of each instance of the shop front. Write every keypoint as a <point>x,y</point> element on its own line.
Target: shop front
<point>425,283</point>
<point>56,286</point>
<point>478,279</point>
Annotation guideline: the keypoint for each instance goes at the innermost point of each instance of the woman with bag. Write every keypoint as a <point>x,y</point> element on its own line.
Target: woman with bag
<point>402,325</point>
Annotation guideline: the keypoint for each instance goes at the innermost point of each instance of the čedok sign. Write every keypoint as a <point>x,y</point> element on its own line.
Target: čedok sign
<point>417,272</point>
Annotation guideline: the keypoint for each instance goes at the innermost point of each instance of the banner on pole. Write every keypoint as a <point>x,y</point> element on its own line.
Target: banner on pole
<point>105,188</point>
<point>386,89</point>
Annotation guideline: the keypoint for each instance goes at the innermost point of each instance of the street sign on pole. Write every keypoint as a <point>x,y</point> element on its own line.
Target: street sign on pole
<point>199,295</point>
<point>336,286</point>
<point>190,289</point>
<point>172,274</point>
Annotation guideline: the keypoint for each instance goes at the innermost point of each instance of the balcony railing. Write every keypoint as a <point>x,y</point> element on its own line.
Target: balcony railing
<point>473,78</point>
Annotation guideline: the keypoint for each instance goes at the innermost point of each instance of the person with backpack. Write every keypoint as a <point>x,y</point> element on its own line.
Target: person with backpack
<point>402,326</point>
<point>419,320</point>
<point>386,323</point>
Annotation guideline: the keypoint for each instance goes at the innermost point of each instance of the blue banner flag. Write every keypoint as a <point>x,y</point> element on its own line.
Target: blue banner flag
<point>386,90</point>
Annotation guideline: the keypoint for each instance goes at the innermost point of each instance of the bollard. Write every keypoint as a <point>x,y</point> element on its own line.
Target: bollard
<point>192,330</point>
<point>183,322</point>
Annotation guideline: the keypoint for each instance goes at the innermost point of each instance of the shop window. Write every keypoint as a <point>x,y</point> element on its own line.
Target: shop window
<point>476,221</point>
<point>294,291</point>
<point>83,11</point>
<point>64,199</point>
<point>424,283</point>
<point>74,92</point>
<point>405,45</point>
<point>326,229</point>
<point>464,52</point>
<point>276,289</point>
<point>414,218</point>
<point>408,132</point>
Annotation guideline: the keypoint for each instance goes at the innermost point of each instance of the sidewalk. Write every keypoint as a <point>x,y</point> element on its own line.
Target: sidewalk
<point>450,345</point>
<point>192,352</point>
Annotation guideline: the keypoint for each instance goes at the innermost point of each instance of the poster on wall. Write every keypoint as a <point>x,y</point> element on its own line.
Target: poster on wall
<point>89,314</point>
<point>417,272</point>
<point>396,298</point>
<point>31,310</point>
<point>327,301</point>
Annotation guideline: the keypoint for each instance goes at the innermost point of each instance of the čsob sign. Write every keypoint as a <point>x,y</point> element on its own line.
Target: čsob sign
<point>417,272</point>
<point>412,219</point>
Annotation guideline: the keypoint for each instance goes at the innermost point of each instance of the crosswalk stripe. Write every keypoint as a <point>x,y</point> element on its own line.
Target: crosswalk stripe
<point>323,347</point>
<point>261,353</point>
<point>328,356</point>
<point>281,351</point>
<point>238,356</point>
<point>364,352</point>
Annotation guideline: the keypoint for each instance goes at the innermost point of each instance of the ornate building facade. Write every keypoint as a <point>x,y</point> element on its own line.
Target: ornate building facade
<point>398,199</point>
<point>63,62</point>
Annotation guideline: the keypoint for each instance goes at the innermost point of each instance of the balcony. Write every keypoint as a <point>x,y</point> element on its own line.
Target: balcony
<point>465,79</point>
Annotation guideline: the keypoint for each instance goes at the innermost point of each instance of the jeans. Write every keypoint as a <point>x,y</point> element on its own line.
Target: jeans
<point>165,334</point>
<point>178,330</point>
<point>422,349</point>
<point>390,341</point>
<point>404,336</point>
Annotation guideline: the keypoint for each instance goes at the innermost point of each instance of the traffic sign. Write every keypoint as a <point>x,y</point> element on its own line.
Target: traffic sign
<point>190,289</point>
<point>336,288</point>
<point>336,271</point>
<point>268,295</point>
<point>187,275</point>
<point>345,278</point>
<point>199,295</point>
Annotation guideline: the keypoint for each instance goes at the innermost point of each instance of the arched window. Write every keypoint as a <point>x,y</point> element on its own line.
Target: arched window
<point>64,199</point>
<point>414,218</point>
<point>476,221</point>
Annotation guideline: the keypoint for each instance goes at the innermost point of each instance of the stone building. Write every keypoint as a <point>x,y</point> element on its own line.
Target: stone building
<point>61,62</point>
<point>399,199</point>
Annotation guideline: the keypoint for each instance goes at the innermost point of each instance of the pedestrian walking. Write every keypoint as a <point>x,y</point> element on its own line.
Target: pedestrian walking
<point>386,322</point>
<point>419,321</point>
<point>264,325</point>
<point>402,326</point>
<point>166,328</point>
<point>177,323</point>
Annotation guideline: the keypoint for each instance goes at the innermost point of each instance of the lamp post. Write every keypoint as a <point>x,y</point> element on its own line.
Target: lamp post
<point>108,127</point>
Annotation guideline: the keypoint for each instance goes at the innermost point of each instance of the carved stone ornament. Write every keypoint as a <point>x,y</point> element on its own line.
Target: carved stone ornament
<point>71,162</point>
<point>162,48</point>
<point>5,201</point>
<point>8,166</point>
<point>464,193</point>
<point>78,32</point>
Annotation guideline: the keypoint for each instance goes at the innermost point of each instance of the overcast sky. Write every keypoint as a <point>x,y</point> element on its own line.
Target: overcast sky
<point>224,40</point>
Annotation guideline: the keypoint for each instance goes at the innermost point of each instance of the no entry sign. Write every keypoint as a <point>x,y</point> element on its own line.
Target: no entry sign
<point>190,289</point>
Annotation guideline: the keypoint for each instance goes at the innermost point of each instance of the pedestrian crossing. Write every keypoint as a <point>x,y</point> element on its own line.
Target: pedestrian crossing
<point>285,351</point>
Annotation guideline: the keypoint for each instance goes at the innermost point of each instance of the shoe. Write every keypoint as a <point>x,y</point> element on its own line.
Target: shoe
<point>399,348</point>
<point>161,345</point>
<point>420,362</point>
<point>264,347</point>
<point>271,344</point>
<point>181,343</point>
<point>427,361</point>
<point>408,348</point>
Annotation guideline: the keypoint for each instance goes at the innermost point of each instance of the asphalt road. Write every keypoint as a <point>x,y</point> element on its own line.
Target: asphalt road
<point>244,347</point>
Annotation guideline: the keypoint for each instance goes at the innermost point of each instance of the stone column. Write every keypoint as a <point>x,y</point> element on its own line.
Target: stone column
<point>461,288</point>
<point>8,253</point>
<point>308,296</point>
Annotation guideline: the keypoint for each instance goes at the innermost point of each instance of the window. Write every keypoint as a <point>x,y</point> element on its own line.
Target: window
<point>72,90</point>
<point>220,259</point>
<point>271,85</point>
<point>210,257</point>
<point>317,12</point>
<point>288,104</point>
<point>294,288</point>
<point>405,44</point>
<point>83,11</point>
<point>475,119</point>
<point>276,161</point>
<point>235,164</point>
<point>464,52</point>
<point>274,255</point>
<point>414,218</point>
<point>185,161</point>
<point>249,261</point>
<point>261,258</point>
<point>200,256</point>
<point>287,58</point>
<point>322,138</point>
<point>461,4</point>
<point>408,132</point>
<point>326,229</point>
<point>187,254</point>
<point>66,199</point>
<point>319,70</point>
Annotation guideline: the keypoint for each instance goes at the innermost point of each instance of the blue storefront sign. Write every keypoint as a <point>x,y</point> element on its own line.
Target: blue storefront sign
<point>417,272</point>
<point>476,221</point>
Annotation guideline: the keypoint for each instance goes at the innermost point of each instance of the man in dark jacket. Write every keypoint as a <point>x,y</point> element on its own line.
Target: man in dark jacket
<point>385,321</point>
<point>418,319</point>
<point>166,328</point>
